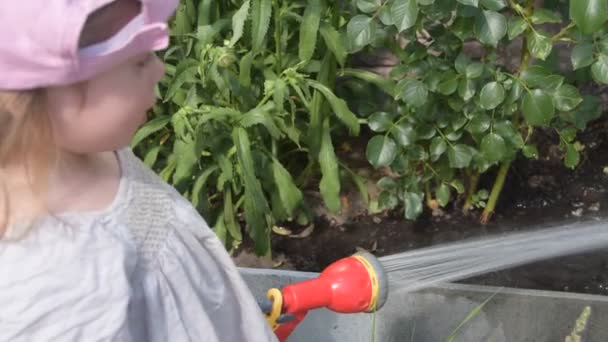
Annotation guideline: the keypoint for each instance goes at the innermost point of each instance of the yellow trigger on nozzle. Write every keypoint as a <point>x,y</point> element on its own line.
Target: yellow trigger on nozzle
<point>276,297</point>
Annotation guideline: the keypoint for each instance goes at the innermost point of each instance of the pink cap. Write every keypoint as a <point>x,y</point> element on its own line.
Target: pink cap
<point>39,40</point>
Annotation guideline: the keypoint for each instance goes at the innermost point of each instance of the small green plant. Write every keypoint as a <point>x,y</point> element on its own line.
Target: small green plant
<point>459,115</point>
<point>470,316</point>
<point>580,326</point>
<point>248,115</point>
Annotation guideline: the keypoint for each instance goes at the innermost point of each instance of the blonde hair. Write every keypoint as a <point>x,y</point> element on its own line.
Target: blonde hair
<point>26,141</point>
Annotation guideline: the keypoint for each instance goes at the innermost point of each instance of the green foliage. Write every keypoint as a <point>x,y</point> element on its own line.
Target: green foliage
<point>456,117</point>
<point>248,117</point>
<point>246,101</point>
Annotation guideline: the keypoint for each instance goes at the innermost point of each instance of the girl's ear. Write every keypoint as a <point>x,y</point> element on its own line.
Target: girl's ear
<point>108,20</point>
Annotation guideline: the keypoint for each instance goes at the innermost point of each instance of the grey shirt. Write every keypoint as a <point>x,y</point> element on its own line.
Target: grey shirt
<point>147,268</point>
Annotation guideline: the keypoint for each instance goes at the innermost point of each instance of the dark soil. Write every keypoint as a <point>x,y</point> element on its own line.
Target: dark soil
<point>536,193</point>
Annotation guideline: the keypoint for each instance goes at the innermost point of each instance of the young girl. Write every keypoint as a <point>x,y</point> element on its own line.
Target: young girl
<point>93,245</point>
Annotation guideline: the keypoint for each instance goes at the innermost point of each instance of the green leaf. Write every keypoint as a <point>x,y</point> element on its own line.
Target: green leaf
<point>387,200</point>
<point>386,85</point>
<point>474,70</point>
<point>573,156</point>
<point>181,24</point>
<point>449,83</point>
<point>589,110</point>
<point>458,186</point>
<point>334,42</point>
<point>369,6</point>
<point>539,45</point>
<point>491,96</point>
<point>206,34</point>
<point>290,195</point>
<point>261,116</point>
<point>494,5</point>
<point>255,205</point>
<point>490,27</point>
<point>567,98</point>
<point>437,148</point>
<point>204,12</point>
<point>426,2</point>
<point>443,194</point>
<point>387,183</point>
<point>404,133</point>
<point>530,152</point>
<point>279,95</point>
<point>493,147</point>
<point>245,69</point>
<point>185,72</point>
<point>568,134</point>
<point>603,45</point>
<point>589,15</point>
<point>538,108</point>
<point>466,89</point>
<point>517,26</point>
<point>461,63</point>
<point>185,153</point>
<point>191,11</point>
<point>198,195</point>
<point>233,229</point>
<point>309,29</point>
<point>238,22</point>
<point>150,128</point>
<point>339,107</point>
<point>413,205</point>
<point>474,3</point>
<point>414,93</point>
<point>360,32</point>
<point>381,151</point>
<point>425,131</point>
<point>416,152</point>
<point>599,69</point>
<point>330,182</point>
<point>460,156</point>
<point>537,76</point>
<point>260,16</point>
<point>582,55</point>
<point>219,228</point>
<point>516,90</point>
<point>507,131</point>
<point>151,156</point>
<point>380,121</point>
<point>404,13</point>
<point>472,314</point>
<point>542,16</point>
<point>385,16</point>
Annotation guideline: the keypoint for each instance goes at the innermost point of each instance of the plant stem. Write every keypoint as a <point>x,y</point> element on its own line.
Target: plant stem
<point>495,194</point>
<point>277,36</point>
<point>504,168</point>
<point>430,202</point>
<point>563,32</point>
<point>472,189</point>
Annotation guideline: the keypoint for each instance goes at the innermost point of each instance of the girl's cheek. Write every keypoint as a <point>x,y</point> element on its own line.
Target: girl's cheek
<point>157,69</point>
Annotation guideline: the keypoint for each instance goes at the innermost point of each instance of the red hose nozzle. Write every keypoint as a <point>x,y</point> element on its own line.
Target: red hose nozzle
<point>350,285</point>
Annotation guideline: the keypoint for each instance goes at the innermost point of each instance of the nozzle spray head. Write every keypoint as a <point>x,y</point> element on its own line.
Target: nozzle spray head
<point>350,285</point>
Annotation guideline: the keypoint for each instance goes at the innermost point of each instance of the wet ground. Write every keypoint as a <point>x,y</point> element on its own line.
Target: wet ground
<point>537,193</point>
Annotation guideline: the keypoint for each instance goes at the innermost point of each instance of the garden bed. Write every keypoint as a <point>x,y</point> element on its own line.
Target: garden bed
<point>536,193</point>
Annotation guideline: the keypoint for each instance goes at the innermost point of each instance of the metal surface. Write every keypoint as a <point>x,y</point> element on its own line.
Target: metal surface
<point>432,314</point>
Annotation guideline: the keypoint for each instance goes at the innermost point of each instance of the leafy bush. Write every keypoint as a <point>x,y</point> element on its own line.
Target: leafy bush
<point>458,115</point>
<point>247,102</point>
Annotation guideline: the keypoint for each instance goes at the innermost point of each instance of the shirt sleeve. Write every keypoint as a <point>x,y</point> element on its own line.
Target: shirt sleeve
<point>196,291</point>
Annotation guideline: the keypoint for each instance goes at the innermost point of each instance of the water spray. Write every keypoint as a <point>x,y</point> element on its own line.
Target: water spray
<point>360,283</point>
